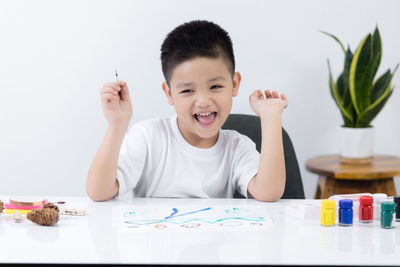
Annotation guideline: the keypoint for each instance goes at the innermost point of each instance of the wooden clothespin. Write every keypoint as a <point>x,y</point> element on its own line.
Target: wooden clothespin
<point>70,211</point>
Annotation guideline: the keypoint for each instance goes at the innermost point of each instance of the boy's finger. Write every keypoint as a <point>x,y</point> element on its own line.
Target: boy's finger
<point>255,93</point>
<point>109,90</point>
<point>260,94</point>
<point>121,84</point>
<point>268,94</point>
<point>110,85</point>
<point>283,97</point>
<point>108,95</point>
<point>275,94</point>
<point>124,90</point>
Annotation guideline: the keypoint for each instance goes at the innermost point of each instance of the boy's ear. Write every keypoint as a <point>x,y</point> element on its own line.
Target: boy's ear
<point>167,92</point>
<point>236,82</point>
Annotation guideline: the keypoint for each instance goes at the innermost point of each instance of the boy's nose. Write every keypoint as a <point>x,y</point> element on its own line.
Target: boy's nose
<point>203,100</point>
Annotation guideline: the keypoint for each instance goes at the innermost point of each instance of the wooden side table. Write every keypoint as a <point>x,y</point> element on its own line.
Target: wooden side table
<point>339,178</point>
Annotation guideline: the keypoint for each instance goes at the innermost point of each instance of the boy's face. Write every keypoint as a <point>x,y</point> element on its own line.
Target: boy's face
<point>201,89</point>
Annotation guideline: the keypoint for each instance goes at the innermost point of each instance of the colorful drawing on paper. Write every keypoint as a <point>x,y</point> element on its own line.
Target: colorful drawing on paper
<point>156,218</point>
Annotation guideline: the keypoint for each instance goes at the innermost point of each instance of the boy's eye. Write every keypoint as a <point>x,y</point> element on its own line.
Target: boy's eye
<point>187,91</point>
<point>216,86</point>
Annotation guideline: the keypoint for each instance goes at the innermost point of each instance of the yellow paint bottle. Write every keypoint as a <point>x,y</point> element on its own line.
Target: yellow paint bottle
<point>328,212</point>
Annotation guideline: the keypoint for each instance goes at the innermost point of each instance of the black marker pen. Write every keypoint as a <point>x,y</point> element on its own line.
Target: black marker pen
<point>116,76</point>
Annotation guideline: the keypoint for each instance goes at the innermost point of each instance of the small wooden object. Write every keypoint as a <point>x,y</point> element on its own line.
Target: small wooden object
<point>336,177</point>
<point>27,201</point>
<point>69,211</point>
<point>18,217</point>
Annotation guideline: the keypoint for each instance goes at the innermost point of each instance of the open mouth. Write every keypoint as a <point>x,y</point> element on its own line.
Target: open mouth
<point>205,119</point>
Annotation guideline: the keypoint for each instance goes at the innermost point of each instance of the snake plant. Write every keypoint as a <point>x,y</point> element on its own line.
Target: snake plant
<point>358,97</point>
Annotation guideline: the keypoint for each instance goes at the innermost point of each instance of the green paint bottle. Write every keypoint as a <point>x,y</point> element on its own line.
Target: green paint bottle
<point>387,214</point>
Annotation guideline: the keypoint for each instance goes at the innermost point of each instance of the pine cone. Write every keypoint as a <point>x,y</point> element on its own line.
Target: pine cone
<point>51,206</point>
<point>44,216</point>
<point>1,206</point>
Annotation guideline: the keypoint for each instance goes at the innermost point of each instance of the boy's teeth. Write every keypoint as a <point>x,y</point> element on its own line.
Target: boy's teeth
<point>204,114</point>
<point>205,118</point>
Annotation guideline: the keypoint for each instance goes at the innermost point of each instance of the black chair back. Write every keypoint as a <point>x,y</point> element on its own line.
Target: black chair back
<point>250,126</point>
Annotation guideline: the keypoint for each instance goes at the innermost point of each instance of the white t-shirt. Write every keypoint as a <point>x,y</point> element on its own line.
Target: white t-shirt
<point>156,161</point>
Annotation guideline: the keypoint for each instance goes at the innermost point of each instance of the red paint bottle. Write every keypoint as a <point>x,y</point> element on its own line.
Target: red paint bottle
<point>366,210</point>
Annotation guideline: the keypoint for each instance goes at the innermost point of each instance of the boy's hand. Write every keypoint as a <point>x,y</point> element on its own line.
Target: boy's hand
<point>116,108</point>
<point>271,105</point>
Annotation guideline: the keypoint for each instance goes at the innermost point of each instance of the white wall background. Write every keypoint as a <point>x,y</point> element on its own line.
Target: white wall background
<point>55,56</point>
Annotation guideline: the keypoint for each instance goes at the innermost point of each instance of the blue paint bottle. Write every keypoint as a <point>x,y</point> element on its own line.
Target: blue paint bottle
<point>345,212</point>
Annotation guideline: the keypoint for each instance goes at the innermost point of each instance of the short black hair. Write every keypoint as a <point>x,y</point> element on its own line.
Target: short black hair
<point>197,38</point>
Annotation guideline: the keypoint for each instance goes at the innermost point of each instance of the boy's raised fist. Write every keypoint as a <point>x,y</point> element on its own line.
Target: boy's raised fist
<point>117,108</point>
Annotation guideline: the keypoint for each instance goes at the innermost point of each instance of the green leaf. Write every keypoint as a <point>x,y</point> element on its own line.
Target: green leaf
<point>382,84</point>
<point>376,50</point>
<point>373,65</point>
<point>348,119</point>
<point>340,86</point>
<point>370,113</point>
<point>336,39</point>
<point>368,77</point>
<point>350,110</point>
<point>379,87</point>
<point>358,69</point>
<point>346,70</point>
<point>348,106</point>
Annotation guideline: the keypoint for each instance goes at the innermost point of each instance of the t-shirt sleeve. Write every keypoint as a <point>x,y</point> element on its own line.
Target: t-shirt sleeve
<point>131,159</point>
<point>245,164</point>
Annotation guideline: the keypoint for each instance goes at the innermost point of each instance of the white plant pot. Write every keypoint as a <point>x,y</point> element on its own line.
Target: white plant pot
<point>356,143</point>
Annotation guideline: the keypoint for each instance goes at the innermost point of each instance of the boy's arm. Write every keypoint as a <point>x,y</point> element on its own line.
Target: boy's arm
<point>102,183</point>
<point>269,182</point>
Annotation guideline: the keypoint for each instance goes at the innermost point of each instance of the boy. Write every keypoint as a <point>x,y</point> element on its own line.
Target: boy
<point>188,155</point>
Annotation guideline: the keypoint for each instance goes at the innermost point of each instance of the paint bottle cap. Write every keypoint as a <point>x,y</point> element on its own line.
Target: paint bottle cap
<point>379,197</point>
<point>388,206</point>
<point>366,200</point>
<point>396,199</point>
<point>328,204</point>
<point>346,203</point>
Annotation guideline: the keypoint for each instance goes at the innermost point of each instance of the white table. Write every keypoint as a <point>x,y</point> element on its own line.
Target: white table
<point>93,239</point>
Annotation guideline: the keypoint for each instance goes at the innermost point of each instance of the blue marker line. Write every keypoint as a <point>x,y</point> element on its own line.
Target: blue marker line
<point>187,213</point>
<point>175,211</point>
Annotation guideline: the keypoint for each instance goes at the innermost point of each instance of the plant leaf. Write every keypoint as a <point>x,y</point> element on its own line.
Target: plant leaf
<point>346,70</point>
<point>370,113</point>
<point>358,70</point>
<point>381,84</point>
<point>348,119</point>
<point>350,110</point>
<point>373,65</point>
<point>336,39</point>
<point>379,87</point>
<point>376,50</point>
<point>340,86</point>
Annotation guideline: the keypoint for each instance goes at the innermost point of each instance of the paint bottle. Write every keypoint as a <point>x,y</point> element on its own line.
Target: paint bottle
<point>378,199</point>
<point>327,212</point>
<point>387,216</point>
<point>345,212</point>
<point>366,210</point>
<point>396,200</point>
